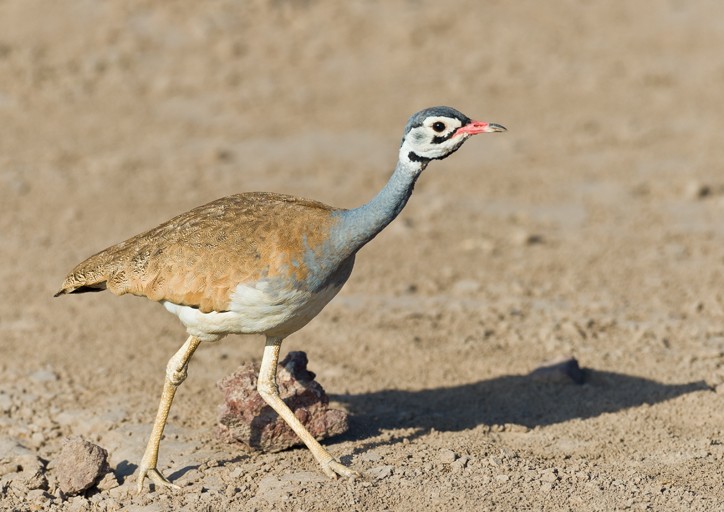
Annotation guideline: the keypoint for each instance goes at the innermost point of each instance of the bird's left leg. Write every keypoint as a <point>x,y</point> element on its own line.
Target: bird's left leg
<point>175,375</point>
<point>269,391</point>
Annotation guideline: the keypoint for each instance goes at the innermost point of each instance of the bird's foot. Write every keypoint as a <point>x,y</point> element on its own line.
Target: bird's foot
<point>334,468</point>
<point>155,476</point>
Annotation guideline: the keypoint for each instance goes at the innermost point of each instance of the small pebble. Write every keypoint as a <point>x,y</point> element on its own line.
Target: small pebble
<point>549,476</point>
<point>446,456</point>
<point>495,461</point>
<point>525,238</point>
<point>118,493</point>
<point>696,190</point>
<point>38,496</point>
<point>236,473</point>
<point>108,482</point>
<point>459,465</point>
<point>79,504</point>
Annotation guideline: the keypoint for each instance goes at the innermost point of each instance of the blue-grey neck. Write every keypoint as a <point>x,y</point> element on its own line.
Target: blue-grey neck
<point>360,225</point>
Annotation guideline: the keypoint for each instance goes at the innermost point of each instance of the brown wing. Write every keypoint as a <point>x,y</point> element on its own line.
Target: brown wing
<point>198,257</point>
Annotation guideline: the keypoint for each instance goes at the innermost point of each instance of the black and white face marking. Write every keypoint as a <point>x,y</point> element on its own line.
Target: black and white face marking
<point>444,127</point>
<point>436,133</point>
<point>429,134</point>
<point>433,138</point>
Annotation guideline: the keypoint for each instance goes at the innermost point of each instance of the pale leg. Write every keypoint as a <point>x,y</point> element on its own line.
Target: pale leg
<point>175,375</point>
<point>267,387</point>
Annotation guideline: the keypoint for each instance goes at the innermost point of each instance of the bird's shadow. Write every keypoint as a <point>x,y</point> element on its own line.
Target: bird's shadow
<point>512,399</point>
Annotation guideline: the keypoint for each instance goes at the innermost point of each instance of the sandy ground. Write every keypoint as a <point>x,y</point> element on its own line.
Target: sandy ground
<point>593,229</point>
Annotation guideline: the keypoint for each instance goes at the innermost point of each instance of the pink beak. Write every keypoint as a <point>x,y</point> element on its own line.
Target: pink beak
<point>475,127</point>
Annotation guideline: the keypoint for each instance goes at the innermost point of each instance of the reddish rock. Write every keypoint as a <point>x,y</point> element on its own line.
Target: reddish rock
<point>80,465</point>
<point>246,418</point>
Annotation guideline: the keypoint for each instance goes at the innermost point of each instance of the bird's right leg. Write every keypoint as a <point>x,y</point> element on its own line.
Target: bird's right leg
<point>176,371</point>
<point>269,391</point>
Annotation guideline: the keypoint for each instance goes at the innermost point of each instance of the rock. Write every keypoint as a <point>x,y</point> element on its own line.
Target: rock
<point>526,238</point>
<point>459,464</point>
<point>446,456</point>
<point>38,497</point>
<point>108,482</point>
<point>79,466</point>
<point>696,190</point>
<point>550,475</point>
<point>559,370</point>
<point>245,417</point>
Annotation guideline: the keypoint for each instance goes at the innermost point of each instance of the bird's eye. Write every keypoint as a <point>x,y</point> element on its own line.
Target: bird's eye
<point>438,126</point>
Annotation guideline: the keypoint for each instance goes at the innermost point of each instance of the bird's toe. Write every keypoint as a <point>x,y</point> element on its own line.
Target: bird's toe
<point>333,469</point>
<point>156,477</point>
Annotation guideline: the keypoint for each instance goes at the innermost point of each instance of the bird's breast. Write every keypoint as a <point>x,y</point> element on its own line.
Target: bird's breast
<point>274,306</point>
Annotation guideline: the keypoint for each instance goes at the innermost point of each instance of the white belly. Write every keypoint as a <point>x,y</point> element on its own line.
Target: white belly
<point>255,309</point>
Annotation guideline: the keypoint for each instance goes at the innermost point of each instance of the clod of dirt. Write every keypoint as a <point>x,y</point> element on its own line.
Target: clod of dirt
<point>560,370</point>
<point>20,467</point>
<point>24,471</point>
<point>246,418</point>
<point>526,238</point>
<point>80,465</point>
<point>696,190</point>
<point>447,456</point>
<point>108,482</point>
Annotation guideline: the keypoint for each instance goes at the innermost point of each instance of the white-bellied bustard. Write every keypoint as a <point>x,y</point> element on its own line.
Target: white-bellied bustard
<point>261,263</point>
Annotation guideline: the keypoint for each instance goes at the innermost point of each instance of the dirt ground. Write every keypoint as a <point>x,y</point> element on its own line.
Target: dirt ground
<point>592,228</point>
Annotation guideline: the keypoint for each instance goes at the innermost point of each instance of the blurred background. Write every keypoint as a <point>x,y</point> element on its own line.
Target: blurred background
<point>593,227</point>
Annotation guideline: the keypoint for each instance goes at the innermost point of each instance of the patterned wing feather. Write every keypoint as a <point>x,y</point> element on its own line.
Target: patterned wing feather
<point>199,257</point>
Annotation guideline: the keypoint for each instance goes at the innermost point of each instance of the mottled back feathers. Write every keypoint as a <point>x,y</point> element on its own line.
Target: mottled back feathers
<point>199,257</point>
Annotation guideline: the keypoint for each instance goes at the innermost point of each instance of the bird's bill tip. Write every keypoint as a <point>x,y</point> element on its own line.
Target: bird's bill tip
<point>492,127</point>
<point>475,127</point>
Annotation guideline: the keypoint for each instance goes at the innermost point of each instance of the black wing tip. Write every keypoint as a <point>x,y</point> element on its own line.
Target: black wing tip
<point>81,289</point>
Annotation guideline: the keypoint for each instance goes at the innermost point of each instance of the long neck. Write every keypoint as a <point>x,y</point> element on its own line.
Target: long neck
<point>360,225</point>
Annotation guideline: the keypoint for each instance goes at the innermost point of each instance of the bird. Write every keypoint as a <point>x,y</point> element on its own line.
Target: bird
<point>261,263</point>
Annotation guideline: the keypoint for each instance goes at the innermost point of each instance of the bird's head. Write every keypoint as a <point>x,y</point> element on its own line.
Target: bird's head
<point>437,132</point>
